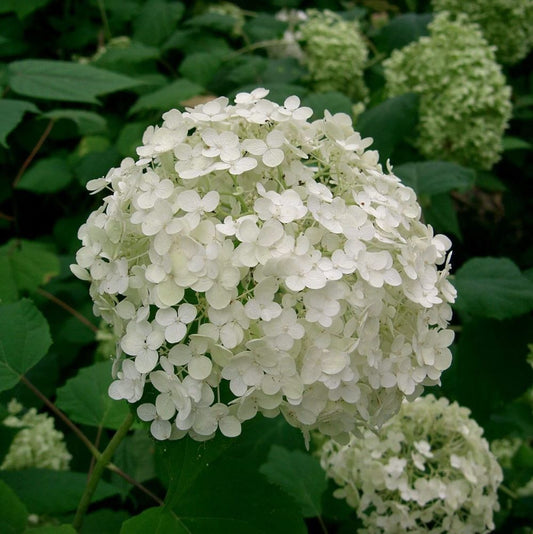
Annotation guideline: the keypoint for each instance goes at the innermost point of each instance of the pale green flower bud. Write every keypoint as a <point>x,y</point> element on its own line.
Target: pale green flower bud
<point>464,101</point>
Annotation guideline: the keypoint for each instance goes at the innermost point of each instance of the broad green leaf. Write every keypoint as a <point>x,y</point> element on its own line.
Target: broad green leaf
<point>230,496</point>
<point>135,456</point>
<point>389,123</point>
<point>217,22</point>
<point>12,112</point>
<point>494,288</point>
<point>515,143</point>
<point>334,102</point>
<point>435,177</point>
<point>489,182</point>
<point>402,30</point>
<point>13,513</point>
<point>440,213</point>
<point>64,80</point>
<point>87,122</point>
<point>56,529</point>
<point>85,400</point>
<point>167,97</point>
<point>156,21</point>
<point>130,137</point>
<point>104,521</point>
<point>24,340</point>
<point>45,491</point>
<point>264,27</point>
<point>300,475</point>
<point>46,176</point>
<point>156,521</point>
<point>96,164</point>
<point>24,266</point>
<point>200,67</point>
<point>180,462</point>
<point>133,52</point>
<point>489,367</point>
<point>284,70</point>
<point>22,9</point>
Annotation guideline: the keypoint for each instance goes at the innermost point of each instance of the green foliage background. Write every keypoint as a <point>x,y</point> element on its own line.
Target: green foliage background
<point>79,83</point>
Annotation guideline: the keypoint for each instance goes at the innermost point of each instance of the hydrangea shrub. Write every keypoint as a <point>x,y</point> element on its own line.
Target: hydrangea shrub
<point>464,101</point>
<point>253,261</point>
<point>428,470</point>
<point>506,24</point>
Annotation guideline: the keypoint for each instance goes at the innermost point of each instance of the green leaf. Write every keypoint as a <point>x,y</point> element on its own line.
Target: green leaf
<point>515,143</point>
<point>12,112</point>
<point>156,21</point>
<point>180,462</point>
<point>402,30</point>
<point>24,266</point>
<point>104,521</point>
<point>45,491</point>
<point>87,122</point>
<point>435,177</point>
<point>284,70</point>
<point>85,400</point>
<point>439,212</point>
<point>22,9</point>
<point>389,123</point>
<point>248,505</point>
<point>489,182</point>
<point>200,67</point>
<point>57,529</point>
<point>64,80</point>
<point>333,101</point>
<point>131,53</point>
<point>167,97</point>
<point>217,22</point>
<point>489,367</point>
<point>24,340</point>
<point>13,513</point>
<point>264,27</point>
<point>300,475</point>
<point>96,164</point>
<point>494,288</point>
<point>156,521</point>
<point>46,176</point>
<point>130,137</point>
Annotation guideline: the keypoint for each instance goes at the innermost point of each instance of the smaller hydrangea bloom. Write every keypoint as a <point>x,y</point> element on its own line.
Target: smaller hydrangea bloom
<point>37,444</point>
<point>465,103</point>
<point>506,24</point>
<point>428,470</point>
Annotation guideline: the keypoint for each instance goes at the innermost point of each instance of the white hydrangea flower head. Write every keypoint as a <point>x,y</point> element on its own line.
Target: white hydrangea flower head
<point>428,470</point>
<point>465,103</point>
<point>265,264</point>
<point>506,24</point>
<point>37,443</point>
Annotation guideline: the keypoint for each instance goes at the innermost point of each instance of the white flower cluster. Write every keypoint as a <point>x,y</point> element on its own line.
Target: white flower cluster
<point>252,261</point>
<point>428,470</point>
<point>37,443</point>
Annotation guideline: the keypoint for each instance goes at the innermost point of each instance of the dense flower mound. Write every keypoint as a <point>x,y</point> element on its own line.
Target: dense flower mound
<point>332,49</point>
<point>252,261</point>
<point>428,470</point>
<point>507,24</point>
<point>464,101</point>
<point>37,443</point>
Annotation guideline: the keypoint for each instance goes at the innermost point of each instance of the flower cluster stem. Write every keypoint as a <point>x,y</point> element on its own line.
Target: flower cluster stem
<point>99,467</point>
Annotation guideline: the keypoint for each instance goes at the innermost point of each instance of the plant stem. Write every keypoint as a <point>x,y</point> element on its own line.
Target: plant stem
<point>68,308</point>
<point>34,151</point>
<point>99,467</point>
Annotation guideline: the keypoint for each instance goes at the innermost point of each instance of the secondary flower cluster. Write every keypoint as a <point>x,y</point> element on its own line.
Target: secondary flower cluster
<point>428,470</point>
<point>464,102</point>
<point>37,443</point>
<point>506,24</point>
<point>333,50</point>
<point>252,261</point>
